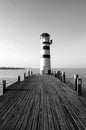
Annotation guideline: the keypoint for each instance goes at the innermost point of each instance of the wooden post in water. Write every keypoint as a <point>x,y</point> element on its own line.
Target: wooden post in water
<point>24,75</point>
<point>79,87</point>
<point>18,78</point>
<point>76,76</point>
<point>4,86</point>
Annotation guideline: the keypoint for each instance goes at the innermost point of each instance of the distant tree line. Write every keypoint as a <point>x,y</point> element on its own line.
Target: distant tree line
<point>10,68</point>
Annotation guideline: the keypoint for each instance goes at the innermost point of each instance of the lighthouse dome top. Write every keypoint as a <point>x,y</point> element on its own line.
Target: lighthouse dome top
<point>45,35</point>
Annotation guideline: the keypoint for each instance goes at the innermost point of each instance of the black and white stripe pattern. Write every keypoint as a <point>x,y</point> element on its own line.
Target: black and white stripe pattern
<point>45,66</point>
<point>46,47</point>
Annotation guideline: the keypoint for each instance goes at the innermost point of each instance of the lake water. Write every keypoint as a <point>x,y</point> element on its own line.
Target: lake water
<point>11,76</point>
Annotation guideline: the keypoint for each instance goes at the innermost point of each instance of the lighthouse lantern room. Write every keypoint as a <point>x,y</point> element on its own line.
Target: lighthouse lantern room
<point>45,65</point>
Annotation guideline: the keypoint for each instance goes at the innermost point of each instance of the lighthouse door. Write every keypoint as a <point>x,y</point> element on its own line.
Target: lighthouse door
<point>45,70</point>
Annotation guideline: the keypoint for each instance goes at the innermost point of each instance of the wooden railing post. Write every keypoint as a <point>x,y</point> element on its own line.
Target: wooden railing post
<point>79,87</point>
<point>63,77</point>
<point>24,75</point>
<point>18,78</point>
<point>76,76</point>
<point>4,86</point>
<point>28,73</point>
<point>55,73</point>
<point>59,75</point>
<point>31,72</point>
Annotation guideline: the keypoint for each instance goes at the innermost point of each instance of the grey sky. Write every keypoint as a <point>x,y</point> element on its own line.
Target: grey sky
<point>22,22</point>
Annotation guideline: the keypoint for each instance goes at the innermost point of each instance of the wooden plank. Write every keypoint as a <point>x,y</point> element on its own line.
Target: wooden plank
<point>24,118</point>
<point>63,95</point>
<point>50,119</point>
<point>19,115</point>
<point>31,114</point>
<point>59,122</point>
<point>41,103</point>
<point>11,112</point>
<point>45,109</point>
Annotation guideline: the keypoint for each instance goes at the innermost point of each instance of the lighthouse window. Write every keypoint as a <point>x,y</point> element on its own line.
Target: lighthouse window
<point>46,47</point>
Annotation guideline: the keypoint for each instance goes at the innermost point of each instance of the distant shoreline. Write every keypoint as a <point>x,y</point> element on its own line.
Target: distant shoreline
<point>11,68</point>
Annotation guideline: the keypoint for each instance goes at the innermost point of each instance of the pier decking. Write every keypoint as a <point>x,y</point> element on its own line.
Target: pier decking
<point>42,103</point>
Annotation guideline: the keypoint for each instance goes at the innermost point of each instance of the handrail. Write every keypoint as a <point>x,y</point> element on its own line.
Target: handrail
<point>5,83</point>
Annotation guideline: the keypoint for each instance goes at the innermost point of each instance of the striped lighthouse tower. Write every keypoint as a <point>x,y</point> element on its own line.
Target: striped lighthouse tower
<point>45,65</point>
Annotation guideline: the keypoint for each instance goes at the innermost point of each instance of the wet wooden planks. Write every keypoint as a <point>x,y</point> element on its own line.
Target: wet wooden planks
<point>41,103</point>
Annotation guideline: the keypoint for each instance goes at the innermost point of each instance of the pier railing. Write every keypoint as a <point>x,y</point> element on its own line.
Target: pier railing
<point>76,83</point>
<point>5,83</point>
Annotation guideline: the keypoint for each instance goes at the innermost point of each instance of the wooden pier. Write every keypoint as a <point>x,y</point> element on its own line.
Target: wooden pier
<point>42,103</point>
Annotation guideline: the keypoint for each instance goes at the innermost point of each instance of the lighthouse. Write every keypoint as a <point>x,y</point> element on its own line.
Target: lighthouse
<point>45,63</point>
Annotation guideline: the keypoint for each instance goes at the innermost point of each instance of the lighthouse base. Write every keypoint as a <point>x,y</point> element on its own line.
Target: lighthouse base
<point>45,72</point>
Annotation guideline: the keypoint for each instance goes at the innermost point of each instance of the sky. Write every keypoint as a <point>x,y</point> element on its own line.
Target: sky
<point>23,21</point>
